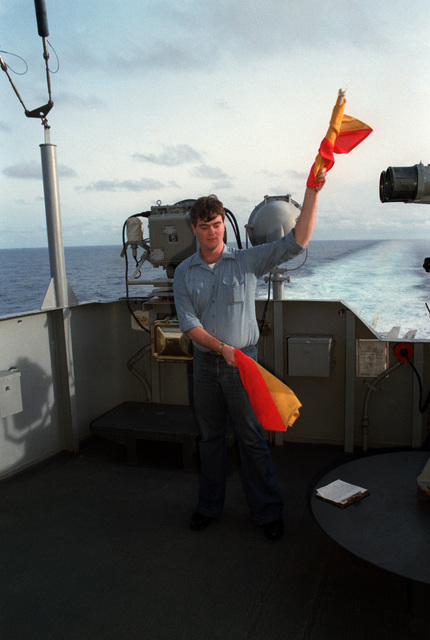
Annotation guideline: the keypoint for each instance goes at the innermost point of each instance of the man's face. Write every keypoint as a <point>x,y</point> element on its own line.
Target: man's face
<point>210,235</point>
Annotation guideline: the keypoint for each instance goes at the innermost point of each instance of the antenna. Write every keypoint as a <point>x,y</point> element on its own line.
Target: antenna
<point>59,293</point>
<point>42,27</point>
<point>43,31</point>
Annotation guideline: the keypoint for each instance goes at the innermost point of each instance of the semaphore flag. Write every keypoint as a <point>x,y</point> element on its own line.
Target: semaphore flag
<point>274,404</point>
<point>343,135</point>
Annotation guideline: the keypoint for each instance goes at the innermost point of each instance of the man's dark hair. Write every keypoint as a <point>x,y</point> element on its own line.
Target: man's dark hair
<point>206,208</point>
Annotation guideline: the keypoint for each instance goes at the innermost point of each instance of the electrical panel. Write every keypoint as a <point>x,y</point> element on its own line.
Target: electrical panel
<point>10,393</point>
<point>171,236</point>
<point>310,355</point>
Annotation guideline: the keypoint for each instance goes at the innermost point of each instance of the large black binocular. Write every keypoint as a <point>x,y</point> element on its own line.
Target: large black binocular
<point>405,184</point>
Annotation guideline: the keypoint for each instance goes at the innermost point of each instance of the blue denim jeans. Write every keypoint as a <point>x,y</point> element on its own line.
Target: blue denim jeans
<point>219,393</point>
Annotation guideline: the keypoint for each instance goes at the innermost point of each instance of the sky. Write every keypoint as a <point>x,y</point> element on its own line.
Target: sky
<point>162,100</point>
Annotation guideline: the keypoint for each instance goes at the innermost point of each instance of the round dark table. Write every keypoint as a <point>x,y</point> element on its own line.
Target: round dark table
<point>390,527</point>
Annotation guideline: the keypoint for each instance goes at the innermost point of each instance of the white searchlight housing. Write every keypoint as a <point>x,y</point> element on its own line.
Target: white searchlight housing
<point>272,219</point>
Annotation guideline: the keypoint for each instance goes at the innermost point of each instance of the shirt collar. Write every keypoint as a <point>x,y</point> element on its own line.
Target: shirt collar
<point>197,260</point>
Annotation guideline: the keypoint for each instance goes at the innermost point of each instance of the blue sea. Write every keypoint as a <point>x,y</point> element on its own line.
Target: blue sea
<point>382,280</point>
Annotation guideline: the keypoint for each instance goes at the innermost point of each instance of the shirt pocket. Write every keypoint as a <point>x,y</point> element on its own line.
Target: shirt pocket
<point>234,289</point>
<point>198,291</point>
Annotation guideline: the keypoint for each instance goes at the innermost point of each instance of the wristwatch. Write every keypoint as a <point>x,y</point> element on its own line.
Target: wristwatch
<point>220,348</point>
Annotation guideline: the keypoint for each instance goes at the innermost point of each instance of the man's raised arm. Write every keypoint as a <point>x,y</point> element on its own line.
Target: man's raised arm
<point>306,221</point>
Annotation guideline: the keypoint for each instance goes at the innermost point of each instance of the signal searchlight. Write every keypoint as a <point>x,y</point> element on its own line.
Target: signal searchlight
<point>405,184</point>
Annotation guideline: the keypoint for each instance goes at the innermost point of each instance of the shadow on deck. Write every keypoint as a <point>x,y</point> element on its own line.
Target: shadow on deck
<point>95,549</point>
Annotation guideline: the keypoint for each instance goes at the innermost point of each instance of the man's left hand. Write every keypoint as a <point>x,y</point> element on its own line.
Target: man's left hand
<point>228,355</point>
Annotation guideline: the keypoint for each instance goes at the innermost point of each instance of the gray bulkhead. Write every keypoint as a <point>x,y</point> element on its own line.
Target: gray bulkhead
<point>65,381</point>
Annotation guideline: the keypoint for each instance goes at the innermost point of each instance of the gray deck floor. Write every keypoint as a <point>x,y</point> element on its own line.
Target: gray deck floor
<point>94,549</point>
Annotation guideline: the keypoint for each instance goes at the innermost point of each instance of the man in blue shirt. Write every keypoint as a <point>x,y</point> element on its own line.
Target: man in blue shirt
<point>215,301</point>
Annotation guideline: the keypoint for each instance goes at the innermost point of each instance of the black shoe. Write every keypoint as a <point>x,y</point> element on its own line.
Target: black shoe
<point>199,521</point>
<point>274,530</point>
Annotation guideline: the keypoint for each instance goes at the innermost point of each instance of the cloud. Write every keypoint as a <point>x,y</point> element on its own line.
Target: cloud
<point>177,56</point>
<point>224,106</point>
<point>205,171</point>
<point>199,36</point>
<point>145,184</point>
<point>274,26</point>
<point>4,126</point>
<point>66,172</point>
<point>24,170</point>
<point>171,156</point>
<point>90,226</point>
<point>297,175</point>
<point>223,184</point>
<point>33,171</point>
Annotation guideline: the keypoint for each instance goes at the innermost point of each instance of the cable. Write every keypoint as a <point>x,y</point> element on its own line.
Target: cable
<point>131,367</point>
<point>300,265</point>
<point>57,58</point>
<point>15,55</point>
<point>372,387</point>
<point>425,405</point>
<point>5,68</point>
<point>262,322</point>
<point>231,218</point>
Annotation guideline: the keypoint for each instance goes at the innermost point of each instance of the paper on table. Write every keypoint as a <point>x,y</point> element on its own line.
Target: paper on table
<point>341,492</point>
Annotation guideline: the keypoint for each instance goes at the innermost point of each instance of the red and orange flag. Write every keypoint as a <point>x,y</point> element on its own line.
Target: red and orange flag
<point>343,135</point>
<point>274,404</point>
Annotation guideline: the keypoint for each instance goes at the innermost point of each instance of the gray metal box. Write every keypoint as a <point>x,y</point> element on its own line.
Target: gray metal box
<point>310,355</point>
<point>171,238</point>
<point>10,393</point>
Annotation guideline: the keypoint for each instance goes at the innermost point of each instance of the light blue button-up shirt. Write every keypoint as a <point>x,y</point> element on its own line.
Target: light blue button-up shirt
<point>221,298</point>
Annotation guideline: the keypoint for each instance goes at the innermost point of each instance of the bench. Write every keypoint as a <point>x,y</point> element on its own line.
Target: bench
<point>130,422</point>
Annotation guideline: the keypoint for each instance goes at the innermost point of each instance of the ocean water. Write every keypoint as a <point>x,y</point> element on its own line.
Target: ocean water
<point>382,280</point>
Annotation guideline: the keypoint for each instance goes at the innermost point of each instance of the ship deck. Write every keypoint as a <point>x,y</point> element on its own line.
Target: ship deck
<point>95,548</point>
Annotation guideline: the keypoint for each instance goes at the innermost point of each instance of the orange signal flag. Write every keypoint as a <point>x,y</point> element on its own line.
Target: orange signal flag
<point>275,405</point>
<point>343,135</point>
